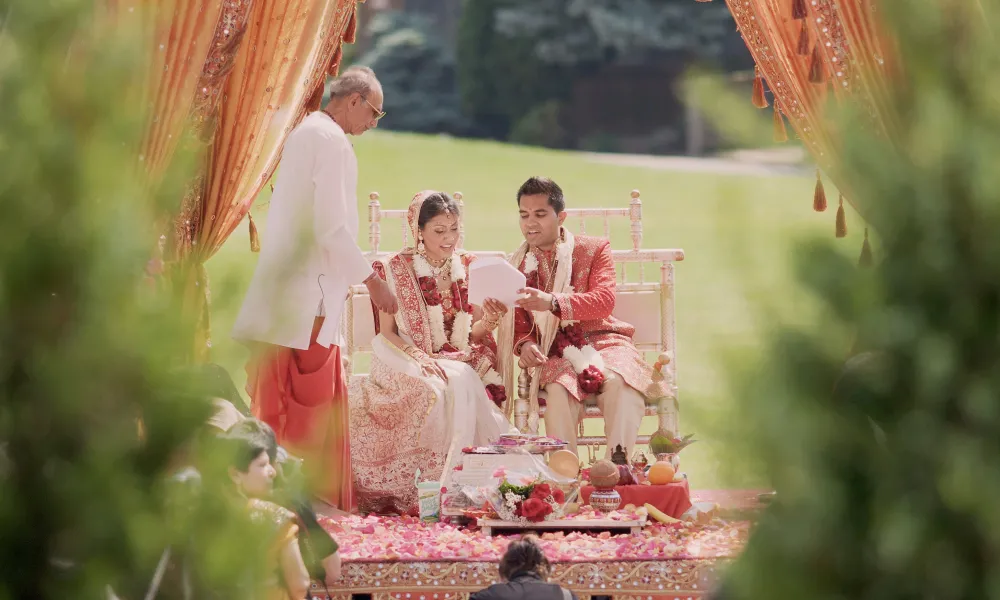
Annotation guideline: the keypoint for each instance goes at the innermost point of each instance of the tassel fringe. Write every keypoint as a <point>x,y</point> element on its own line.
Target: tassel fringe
<point>819,195</point>
<point>254,237</point>
<point>798,9</point>
<point>841,219</point>
<point>780,133</point>
<point>803,45</point>
<point>866,259</point>
<point>816,72</point>
<point>758,90</point>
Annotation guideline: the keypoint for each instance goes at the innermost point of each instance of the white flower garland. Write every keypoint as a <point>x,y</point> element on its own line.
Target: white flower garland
<point>462,328</point>
<point>579,358</point>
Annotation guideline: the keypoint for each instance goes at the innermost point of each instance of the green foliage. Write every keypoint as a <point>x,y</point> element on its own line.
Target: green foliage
<point>417,71</point>
<point>580,32</point>
<point>887,488</point>
<point>85,348</point>
<point>500,77</point>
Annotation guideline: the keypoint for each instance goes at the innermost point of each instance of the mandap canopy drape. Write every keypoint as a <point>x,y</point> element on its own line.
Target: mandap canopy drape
<point>243,73</point>
<point>811,52</point>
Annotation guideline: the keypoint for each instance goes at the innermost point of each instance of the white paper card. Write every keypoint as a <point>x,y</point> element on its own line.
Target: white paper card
<point>494,278</point>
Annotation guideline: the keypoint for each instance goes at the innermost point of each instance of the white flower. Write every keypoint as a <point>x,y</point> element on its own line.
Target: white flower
<point>461,330</point>
<point>421,267</point>
<point>530,263</point>
<point>435,314</point>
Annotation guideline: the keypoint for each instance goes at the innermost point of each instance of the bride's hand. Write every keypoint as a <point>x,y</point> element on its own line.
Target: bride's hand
<point>430,368</point>
<point>493,308</point>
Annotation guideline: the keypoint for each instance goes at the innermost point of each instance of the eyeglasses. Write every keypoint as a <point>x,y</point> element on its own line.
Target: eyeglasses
<point>378,113</point>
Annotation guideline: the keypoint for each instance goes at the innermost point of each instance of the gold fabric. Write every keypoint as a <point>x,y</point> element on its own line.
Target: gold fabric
<point>243,73</point>
<point>844,47</point>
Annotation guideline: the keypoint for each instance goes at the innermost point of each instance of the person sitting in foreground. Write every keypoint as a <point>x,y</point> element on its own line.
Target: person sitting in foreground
<point>318,548</point>
<point>524,572</point>
<point>251,479</point>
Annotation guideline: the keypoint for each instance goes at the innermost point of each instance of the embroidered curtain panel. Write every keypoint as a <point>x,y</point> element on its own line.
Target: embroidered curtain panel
<point>809,53</point>
<point>243,73</point>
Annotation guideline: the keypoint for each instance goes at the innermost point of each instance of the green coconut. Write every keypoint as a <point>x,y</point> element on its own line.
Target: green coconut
<point>661,442</point>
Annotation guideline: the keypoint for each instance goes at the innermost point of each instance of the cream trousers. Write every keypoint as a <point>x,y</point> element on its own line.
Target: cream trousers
<point>623,409</point>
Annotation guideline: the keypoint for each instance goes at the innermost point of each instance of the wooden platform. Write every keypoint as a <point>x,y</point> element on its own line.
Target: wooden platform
<point>489,526</point>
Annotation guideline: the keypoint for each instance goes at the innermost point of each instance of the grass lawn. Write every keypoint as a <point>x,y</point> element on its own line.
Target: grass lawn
<point>738,233</point>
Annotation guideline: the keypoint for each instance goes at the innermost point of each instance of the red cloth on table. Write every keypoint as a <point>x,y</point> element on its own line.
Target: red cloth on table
<point>302,395</point>
<point>673,499</point>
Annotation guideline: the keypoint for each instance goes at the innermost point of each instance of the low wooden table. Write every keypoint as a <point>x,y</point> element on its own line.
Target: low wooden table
<point>489,526</point>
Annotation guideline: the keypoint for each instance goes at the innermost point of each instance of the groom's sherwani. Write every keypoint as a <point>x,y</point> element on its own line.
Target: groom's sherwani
<point>590,301</point>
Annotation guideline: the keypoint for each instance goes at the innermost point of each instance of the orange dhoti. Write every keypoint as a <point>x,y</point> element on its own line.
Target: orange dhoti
<point>302,395</point>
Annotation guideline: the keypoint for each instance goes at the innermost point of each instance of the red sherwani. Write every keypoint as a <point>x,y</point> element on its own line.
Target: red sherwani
<point>591,304</point>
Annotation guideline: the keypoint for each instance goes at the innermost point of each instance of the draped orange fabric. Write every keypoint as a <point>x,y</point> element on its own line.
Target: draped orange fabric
<point>811,52</point>
<point>266,65</point>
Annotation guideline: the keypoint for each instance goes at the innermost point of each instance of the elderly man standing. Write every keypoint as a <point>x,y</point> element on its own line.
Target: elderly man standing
<point>292,312</point>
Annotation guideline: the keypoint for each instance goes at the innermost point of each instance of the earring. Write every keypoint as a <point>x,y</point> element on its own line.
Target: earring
<point>420,246</point>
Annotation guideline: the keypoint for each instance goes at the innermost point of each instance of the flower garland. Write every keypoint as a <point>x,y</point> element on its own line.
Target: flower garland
<point>462,327</point>
<point>494,387</point>
<point>570,342</point>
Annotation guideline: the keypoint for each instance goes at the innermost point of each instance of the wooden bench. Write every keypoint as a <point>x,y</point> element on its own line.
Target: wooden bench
<point>647,305</point>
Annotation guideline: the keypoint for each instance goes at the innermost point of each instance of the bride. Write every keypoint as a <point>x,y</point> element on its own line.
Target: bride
<point>433,387</point>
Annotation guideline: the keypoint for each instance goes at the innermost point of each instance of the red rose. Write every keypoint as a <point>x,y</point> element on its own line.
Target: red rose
<point>560,343</point>
<point>534,509</point>
<point>590,380</point>
<point>531,280</point>
<point>558,495</point>
<point>497,393</point>
<point>541,491</point>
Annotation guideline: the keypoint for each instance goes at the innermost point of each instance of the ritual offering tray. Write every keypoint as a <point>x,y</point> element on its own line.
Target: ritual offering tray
<point>533,444</point>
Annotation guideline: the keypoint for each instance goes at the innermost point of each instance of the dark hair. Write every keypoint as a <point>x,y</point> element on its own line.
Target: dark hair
<point>213,381</point>
<point>243,448</point>
<point>524,556</point>
<point>543,185</point>
<point>257,428</point>
<point>434,205</point>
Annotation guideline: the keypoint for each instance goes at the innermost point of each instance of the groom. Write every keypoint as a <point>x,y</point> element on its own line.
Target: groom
<point>564,325</point>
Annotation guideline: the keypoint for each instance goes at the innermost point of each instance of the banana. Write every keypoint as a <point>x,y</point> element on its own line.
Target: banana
<point>659,515</point>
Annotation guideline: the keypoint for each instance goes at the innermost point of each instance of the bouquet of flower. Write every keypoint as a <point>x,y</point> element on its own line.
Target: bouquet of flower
<point>530,502</point>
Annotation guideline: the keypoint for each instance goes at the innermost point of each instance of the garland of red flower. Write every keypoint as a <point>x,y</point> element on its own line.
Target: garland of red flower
<point>495,389</point>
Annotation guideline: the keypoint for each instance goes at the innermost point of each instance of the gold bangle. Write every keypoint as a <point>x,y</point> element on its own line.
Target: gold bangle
<point>489,324</point>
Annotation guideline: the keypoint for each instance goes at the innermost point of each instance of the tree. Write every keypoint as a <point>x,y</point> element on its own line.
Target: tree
<point>581,32</point>
<point>907,510</point>
<point>417,72</point>
<point>85,349</point>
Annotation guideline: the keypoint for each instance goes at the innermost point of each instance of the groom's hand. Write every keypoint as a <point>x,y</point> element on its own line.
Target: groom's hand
<point>382,295</point>
<point>535,300</point>
<point>531,356</point>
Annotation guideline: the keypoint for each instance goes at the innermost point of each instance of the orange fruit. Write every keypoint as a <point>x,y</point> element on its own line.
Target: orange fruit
<point>661,473</point>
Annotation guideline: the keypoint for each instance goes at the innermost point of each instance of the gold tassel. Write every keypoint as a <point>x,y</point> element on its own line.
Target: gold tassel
<point>254,237</point>
<point>866,259</point>
<point>819,195</point>
<point>351,33</point>
<point>816,74</point>
<point>334,67</point>
<point>841,219</point>
<point>803,47</point>
<point>758,90</point>
<point>798,9</point>
<point>780,134</point>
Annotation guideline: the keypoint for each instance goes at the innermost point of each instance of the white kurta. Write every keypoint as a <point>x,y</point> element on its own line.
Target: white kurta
<point>309,257</point>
